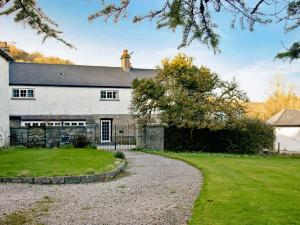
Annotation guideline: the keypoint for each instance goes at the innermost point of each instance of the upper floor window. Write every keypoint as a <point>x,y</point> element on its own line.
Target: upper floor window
<point>109,95</point>
<point>23,93</point>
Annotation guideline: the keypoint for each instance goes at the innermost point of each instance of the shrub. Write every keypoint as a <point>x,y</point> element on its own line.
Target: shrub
<point>80,141</point>
<point>252,136</point>
<point>90,171</point>
<point>24,173</point>
<point>119,155</point>
<point>67,146</point>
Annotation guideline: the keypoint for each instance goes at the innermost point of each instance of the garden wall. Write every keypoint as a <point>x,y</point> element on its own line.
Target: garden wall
<point>150,137</point>
<point>49,136</point>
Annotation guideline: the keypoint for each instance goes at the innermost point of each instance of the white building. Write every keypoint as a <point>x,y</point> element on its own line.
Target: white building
<point>287,130</point>
<point>66,95</point>
<point>4,104</point>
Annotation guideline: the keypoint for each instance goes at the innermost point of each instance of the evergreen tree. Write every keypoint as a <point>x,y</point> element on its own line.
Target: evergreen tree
<point>194,17</point>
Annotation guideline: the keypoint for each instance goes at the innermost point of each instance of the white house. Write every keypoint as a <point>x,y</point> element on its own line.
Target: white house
<point>67,95</point>
<point>287,130</point>
<point>4,104</point>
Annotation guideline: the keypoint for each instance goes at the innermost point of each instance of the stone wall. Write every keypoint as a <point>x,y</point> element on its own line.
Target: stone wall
<point>151,137</point>
<point>50,136</point>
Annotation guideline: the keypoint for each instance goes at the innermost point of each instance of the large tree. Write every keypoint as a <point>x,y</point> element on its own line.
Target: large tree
<point>195,17</point>
<point>281,96</point>
<point>184,95</point>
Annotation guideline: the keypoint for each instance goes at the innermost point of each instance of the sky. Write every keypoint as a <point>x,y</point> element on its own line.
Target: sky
<point>246,56</point>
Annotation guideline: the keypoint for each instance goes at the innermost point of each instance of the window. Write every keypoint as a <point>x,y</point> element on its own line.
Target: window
<point>75,123</point>
<point>30,93</point>
<point>23,93</point>
<point>16,93</point>
<point>109,95</point>
<point>33,123</point>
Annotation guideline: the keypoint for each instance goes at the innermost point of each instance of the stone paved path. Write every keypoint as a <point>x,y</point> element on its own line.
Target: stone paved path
<point>155,190</point>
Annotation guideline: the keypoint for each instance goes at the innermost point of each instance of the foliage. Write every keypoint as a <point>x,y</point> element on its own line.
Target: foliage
<point>238,188</point>
<point>282,96</point>
<point>252,136</point>
<point>29,13</point>
<point>119,155</point>
<point>81,141</point>
<point>292,53</point>
<point>293,12</point>
<point>20,55</point>
<point>54,162</point>
<point>187,96</point>
<point>193,17</point>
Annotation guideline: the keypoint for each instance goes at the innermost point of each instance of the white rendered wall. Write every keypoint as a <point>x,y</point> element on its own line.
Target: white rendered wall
<point>4,109</point>
<point>289,139</point>
<point>70,101</point>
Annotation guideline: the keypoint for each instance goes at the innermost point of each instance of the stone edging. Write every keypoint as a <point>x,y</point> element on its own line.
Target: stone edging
<point>100,177</point>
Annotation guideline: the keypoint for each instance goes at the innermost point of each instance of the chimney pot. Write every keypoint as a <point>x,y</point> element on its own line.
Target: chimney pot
<point>125,60</point>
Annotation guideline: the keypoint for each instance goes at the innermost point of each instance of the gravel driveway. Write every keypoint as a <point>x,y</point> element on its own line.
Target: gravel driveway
<point>154,190</point>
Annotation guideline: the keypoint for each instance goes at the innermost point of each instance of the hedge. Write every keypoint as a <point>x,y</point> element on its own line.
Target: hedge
<point>253,137</point>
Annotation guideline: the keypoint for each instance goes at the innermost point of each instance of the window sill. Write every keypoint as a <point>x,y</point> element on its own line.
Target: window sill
<point>110,100</point>
<point>22,98</point>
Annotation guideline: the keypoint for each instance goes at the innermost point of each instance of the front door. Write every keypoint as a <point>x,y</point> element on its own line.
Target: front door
<point>105,131</point>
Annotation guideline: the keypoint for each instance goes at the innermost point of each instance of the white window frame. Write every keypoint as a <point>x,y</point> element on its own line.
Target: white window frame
<point>108,92</point>
<point>33,123</point>
<point>74,123</point>
<point>26,93</point>
<point>109,130</point>
<point>56,123</point>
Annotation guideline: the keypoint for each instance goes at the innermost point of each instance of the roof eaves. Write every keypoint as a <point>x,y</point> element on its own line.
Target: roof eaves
<point>6,56</point>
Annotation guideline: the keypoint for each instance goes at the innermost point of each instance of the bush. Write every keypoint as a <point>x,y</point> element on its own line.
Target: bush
<point>80,141</point>
<point>253,136</point>
<point>119,155</point>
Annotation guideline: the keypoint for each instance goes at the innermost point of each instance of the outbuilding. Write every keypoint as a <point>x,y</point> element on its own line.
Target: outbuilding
<point>287,130</point>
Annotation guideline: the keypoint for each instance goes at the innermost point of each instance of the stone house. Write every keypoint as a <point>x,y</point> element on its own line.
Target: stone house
<point>287,130</point>
<point>67,95</point>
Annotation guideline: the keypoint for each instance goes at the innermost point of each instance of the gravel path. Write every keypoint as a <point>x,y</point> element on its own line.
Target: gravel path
<point>155,190</point>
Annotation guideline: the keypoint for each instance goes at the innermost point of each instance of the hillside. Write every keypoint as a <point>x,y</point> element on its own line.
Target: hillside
<point>35,57</point>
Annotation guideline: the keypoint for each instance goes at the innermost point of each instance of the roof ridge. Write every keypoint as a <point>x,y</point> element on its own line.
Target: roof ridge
<point>282,112</point>
<point>80,65</point>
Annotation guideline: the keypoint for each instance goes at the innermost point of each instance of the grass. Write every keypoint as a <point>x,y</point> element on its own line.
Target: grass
<point>245,190</point>
<point>54,162</point>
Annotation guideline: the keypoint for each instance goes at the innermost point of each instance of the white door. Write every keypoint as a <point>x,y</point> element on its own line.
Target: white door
<point>105,131</point>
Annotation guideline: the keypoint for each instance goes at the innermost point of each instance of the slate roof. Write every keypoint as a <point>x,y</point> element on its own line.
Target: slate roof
<point>73,75</point>
<point>286,117</point>
<point>6,56</point>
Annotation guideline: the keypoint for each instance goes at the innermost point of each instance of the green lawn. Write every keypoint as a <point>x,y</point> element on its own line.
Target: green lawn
<point>246,190</point>
<point>54,162</point>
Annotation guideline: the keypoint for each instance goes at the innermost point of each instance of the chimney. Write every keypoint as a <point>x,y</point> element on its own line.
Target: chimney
<point>4,47</point>
<point>125,61</point>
